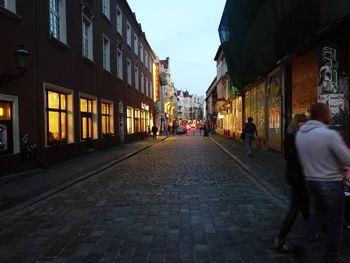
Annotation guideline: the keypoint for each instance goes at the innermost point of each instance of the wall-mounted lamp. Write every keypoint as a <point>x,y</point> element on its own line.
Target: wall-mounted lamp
<point>22,57</point>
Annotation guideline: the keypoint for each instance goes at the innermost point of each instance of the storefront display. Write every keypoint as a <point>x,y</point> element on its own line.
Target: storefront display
<point>275,102</point>
<point>5,127</point>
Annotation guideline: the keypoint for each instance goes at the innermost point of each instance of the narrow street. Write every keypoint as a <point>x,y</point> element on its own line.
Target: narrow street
<point>182,200</point>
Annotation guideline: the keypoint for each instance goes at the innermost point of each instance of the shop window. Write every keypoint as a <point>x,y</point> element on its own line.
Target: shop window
<point>88,118</point>
<point>6,136</point>
<point>130,120</point>
<point>137,121</point>
<point>143,121</point>
<point>107,119</point>
<point>57,115</point>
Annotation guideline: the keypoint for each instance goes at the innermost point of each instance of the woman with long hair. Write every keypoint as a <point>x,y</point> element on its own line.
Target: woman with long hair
<point>299,200</point>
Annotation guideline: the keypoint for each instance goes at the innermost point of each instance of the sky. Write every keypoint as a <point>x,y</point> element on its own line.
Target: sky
<point>187,32</point>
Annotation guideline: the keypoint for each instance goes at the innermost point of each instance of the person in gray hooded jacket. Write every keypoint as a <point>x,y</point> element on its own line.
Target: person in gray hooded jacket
<point>323,154</point>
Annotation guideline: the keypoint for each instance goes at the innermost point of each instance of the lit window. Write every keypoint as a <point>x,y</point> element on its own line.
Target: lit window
<point>143,121</point>
<point>87,38</point>
<point>9,4</point>
<point>5,127</point>
<point>129,71</point>
<point>136,46</point>
<point>142,83</point>
<point>136,78</point>
<point>130,120</point>
<point>119,21</point>
<point>107,119</point>
<point>88,120</point>
<point>56,117</point>
<point>137,121</point>
<point>58,19</point>
<point>128,34</point>
<point>106,8</point>
<point>141,52</point>
<point>106,54</point>
<point>119,64</point>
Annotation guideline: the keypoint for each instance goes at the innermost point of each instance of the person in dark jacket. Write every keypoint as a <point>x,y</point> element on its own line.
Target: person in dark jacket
<point>249,131</point>
<point>154,131</point>
<point>299,200</point>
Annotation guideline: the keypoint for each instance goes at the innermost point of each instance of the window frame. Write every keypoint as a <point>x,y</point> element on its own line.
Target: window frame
<point>10,5</point>
<point>106,8</point>
<point>142,82</point>
<point>136,78</point>
<point>130,121</point>
<point>120,74</point>
<point>141,52</point>
<point>129,72</point>
<point>119,20</point>
<point>110,118</point>
<point>60,26</point>
<point>128,34</point>
<point>136,44</point>
<point>90,38</point>
<point>106,54</point>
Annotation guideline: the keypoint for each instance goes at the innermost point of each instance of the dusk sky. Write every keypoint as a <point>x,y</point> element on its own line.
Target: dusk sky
<point>187,32</point>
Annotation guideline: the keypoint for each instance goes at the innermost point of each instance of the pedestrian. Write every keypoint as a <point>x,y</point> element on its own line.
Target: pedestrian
<point>174,128</point>
<point>149,131</point>
<point>154,131</point>
<point>249,131</point>
<point>322,154</point>
<point>169,129</point>
<point>299,199</point>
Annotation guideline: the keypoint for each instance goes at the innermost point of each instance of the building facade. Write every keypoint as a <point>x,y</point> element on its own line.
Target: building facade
<point>89,83</point>
<point>279,70</point>
<point>189,107</point>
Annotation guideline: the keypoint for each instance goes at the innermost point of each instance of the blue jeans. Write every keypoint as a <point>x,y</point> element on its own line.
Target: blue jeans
<point>249,137</point>
<point>327,207</point>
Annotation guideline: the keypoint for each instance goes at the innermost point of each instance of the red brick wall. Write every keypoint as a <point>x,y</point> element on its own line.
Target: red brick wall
<point>304,81</point>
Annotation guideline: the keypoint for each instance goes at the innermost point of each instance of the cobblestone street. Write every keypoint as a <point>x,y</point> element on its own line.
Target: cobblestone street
<point>182,200</point>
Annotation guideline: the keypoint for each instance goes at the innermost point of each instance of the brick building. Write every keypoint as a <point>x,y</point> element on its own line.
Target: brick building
<point>88,85</point>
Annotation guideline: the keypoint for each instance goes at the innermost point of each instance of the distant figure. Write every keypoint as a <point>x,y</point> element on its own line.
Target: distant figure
<point>249,131</point>
<point>169,129</point>
<point>149,131</point>
<point>299,200</point>
<point>323,154</point>
<point>174,129</point>
<point>154,131</point>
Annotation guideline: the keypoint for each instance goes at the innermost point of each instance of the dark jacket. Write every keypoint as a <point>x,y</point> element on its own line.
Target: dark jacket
<point>154,129</point>
<point>250,128</point>
<point>294,170</point>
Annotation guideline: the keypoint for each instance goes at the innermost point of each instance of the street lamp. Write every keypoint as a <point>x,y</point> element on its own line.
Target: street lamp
<point>22,57</point>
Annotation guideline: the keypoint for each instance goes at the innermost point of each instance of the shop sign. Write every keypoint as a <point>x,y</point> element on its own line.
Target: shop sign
<point>144,106</point>
<point>156,82</point>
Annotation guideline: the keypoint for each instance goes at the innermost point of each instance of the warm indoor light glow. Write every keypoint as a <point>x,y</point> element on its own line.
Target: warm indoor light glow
<point>1,112</point>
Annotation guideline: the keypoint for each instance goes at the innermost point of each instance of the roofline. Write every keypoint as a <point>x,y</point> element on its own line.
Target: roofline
<point>211,84</point>
<point>218,53</point>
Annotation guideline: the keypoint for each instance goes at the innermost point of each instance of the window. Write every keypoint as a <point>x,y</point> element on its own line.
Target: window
<point>142,83</point>
<point>106,54</point>
<point>107,119</point>
<point>106,8</point>
<point>57,117</point>
<point>146,87</point>
<point>141,52</point>
<point>136,45</point>
<point>5,127</point>
<point>119,64</point>
<point>150,64</point>
<point>128,34</point>
<point>151,89</point>
<point>146,60</point>
<point>57,10</point>
<point>129,71</point>
<point>143,124</point>
<point>136,78</point>
<point>88,121</point>
<point>130,120</point>
<point>9,4</point>
<point>119,21</point>
<point>137,121</point>
<point>87,38</point>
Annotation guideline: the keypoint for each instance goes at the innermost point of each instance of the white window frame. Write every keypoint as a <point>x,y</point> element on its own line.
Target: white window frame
<point>70,111</point>
<point>111,117</point>
<point>150,66</point>
<point>106,53</point>
<point>119,20</point>
<point>147,87</point>
<point>120,64</point>
<point>146,59</point>
<point>136,44</point>
<point>128,34</point>
<point>10,5</point>
<point>90,37</point>
<point>129,72</point>
<point>142,83</point>
<point>95,132</point>
<point>136,78</point>
<point>15,121</point>
<point>106,9</point>
<point>58,30</point>
<point>141,52</point>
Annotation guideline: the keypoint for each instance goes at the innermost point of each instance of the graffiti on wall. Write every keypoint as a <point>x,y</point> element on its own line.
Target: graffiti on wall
<point>333,84</point>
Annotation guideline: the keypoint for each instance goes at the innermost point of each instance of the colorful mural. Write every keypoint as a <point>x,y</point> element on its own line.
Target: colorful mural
<point>274,102</point>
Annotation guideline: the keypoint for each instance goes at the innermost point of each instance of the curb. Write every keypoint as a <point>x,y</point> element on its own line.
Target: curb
<point>51,193</point>
<point>266,187</point>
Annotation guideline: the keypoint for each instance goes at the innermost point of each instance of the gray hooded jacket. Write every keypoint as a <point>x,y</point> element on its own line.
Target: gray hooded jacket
<point>322,152</point>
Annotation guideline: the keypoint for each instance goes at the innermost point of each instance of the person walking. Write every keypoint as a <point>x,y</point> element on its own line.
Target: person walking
<point>154,131</point>
<point>323,153</point>
<point>249,131</point>
<point>299,199</point>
